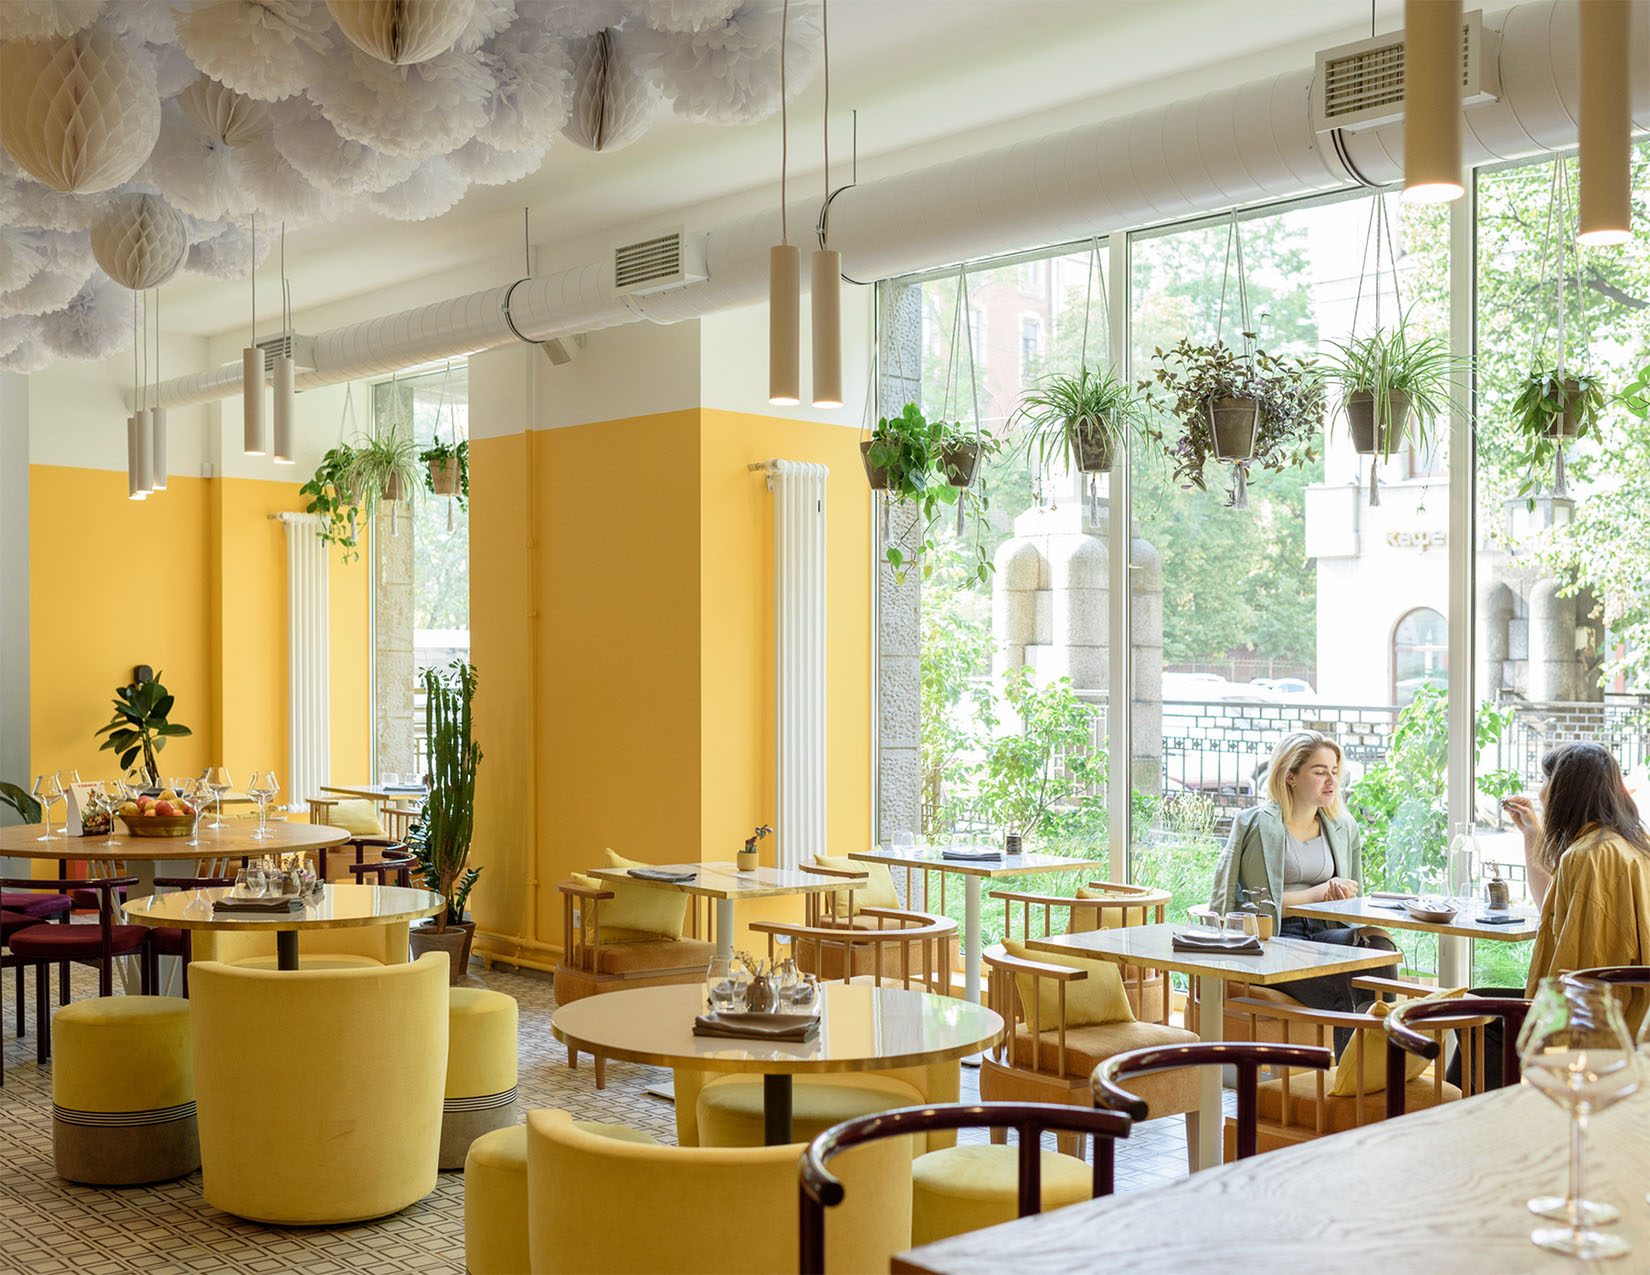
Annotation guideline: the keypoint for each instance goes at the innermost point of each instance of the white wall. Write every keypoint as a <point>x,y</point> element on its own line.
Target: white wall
<point>733,359</point>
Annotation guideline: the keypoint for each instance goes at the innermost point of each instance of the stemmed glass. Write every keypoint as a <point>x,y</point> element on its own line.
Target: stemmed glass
<point>217,779</point>
<point>197,794</point>
<point>1575,1049</point>
<point>42,792</point>
<point>111,796</point>
<point>262,788</point>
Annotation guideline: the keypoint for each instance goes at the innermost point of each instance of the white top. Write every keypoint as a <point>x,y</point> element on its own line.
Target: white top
<point>1306,863</point>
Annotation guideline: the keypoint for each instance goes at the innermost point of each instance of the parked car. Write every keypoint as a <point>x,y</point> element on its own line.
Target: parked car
<point>1291,687</point>
<point>1210,687</point>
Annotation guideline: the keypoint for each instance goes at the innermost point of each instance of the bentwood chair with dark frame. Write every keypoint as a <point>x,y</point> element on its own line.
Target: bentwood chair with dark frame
<point>820,1189</point>
<point>169,940</point>
<point>1401,1038</point>
<point>1637,977</point>
<point>397,860</point>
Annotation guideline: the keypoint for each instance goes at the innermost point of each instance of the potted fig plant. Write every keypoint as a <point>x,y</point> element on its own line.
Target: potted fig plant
<point>1246,409</point>
<point>440,839</point>
<point>140,725</point>
<point>1083,418</point>
<point>447,470</point>
<point>747,858</point>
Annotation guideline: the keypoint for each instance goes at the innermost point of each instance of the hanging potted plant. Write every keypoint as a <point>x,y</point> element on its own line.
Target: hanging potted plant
<point>440,839</point>
<point>961,451</point>
<point>1394,387</point>
<point>447,470</point>
<point>386,467</point>
<point>334,493</point>
<point>1557,405</point>
<point>1255,409</point>
<point>900,454</point>
<point>906,457</point>
<point>1083,419</point>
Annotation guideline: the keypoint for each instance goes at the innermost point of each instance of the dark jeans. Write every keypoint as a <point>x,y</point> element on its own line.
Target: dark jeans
<point>1492,1042</point>
<point>1330,991</point>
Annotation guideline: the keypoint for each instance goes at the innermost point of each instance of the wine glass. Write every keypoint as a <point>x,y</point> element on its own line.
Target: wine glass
<point>42,792</point>
<point>56,794</point>
<point>111,795</point>
<point>262,787</point>
<point>1575,1049</point>
<point>217,779</point>
<point>197,794</point>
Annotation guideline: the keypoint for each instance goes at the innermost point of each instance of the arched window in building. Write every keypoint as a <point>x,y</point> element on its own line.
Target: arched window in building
<point>1420,653</point>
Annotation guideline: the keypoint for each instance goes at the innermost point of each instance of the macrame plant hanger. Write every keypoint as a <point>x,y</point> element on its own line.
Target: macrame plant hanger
<point>347,421</point>
<point>1240,468</point>
<point>962,326</point>
<point>452,430</point>
<point>1095,267</point>
<point>1379,225</point>
<point>1559,198</point>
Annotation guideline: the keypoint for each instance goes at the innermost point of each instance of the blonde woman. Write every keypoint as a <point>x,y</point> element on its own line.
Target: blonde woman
<point>1300,846</point>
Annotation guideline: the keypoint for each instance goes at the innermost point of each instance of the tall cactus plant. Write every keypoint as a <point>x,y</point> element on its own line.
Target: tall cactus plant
<point>441,837</point>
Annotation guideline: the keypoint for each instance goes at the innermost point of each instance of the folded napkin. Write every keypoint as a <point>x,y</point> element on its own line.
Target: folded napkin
<point>1243,945</point>
<point>983,855</point>
<point>758,1026</point>
<point>405,788</point>
<point>276,906</point>
<point>661,874</point>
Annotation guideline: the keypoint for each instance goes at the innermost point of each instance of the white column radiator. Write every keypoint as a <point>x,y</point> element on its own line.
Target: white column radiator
<point>799,657</point>
<point>309,690</point>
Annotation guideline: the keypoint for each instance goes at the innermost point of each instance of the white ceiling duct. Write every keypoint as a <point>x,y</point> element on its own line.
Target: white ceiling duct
<point>1250,144</point>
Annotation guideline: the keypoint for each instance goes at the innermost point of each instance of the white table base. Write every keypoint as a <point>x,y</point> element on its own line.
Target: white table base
<point>1211,1022</point>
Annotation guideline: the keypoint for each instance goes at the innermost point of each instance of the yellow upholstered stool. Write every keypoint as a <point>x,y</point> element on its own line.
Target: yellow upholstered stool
<point>481,1070</point>
<point>123,1091</point>
<point>495,1195</point>
<point>965,1188</point>
<point>730,1109</point>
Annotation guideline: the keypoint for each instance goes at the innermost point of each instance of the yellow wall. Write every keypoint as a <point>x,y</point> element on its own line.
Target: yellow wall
<point>192,582</point>
<point>647,548</point>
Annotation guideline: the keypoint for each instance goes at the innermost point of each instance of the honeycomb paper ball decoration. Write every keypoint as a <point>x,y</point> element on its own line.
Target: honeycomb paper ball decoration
<point>613,103</point>
<point>231,117</point>
<point>140,241</point>
<point>79,114</point>
<point>402,31</point>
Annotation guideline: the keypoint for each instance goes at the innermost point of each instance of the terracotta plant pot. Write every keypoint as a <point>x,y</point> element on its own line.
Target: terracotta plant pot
<point>1096,449</point>
<point>877,476</point>
<point>455,940</point>
<point>959,461</point>
<point>1233,424</point>
<point>1360,415</point>
<point>395,488</point>
<point>444,476</point>
<point>747,860</point>
<point>1569,424</point>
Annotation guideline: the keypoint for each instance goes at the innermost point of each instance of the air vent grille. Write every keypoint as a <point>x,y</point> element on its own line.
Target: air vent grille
<point>667,260</point>
<point>1362,84</point>
<point>301,349</point>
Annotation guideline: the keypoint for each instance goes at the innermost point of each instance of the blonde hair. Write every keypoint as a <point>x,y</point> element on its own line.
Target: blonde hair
<point>1288,757</point>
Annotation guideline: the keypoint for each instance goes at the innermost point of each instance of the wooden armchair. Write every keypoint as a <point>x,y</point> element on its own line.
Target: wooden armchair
<point>1297,1106</point>
<point>907,948</point>
<point>1049,1051</point>
<point>1100,905</point>
<point>844,910</point>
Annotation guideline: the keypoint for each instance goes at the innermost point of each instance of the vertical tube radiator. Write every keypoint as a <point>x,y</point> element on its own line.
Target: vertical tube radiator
<point>799,658</point>
<point>309,690</point>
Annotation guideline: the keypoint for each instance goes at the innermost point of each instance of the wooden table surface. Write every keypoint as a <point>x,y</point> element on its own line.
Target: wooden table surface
<point>1363,910</point>
<point>338,907</point>
<point>378,792</point>
<point>233,839</point>
<point>1010,865</point>
<point>725,881</point>
<point>1440,1191</point>
<point>1279,960</point>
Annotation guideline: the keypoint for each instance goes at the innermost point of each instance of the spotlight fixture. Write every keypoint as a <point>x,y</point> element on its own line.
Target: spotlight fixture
<point>252,372</point>
<point>1432,101</point>
<point>825,271</point>
<point>157,414</point>
<point>285,370</point>
<point>784,273</point>
<point>1606,125</point>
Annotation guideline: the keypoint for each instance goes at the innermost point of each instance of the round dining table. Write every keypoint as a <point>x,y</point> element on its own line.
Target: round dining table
<point>861,1028</point>
<point>148,857</point>
<point>335,907</point>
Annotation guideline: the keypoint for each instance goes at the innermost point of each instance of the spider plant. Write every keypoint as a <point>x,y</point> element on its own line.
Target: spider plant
<point>1082,418</point>
<point>1394,386</point>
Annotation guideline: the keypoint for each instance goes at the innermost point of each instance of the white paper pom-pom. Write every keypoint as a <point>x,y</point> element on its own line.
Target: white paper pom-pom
<point>267,49</point>
<point>728,73</point>
<point>686,15</point>
<point>174,72</point>
<point>432,189</point>
<point>139,242</point>
<point>613,102</point>
<point>29,355</point>
<point>532,88</point>
<point>401,32</point>
<point>78,113</point>
<point>46,19</point>
<point>32,204</point>
<point>96,322</point>
<point>575,19</point>
<point>220,112</point>
<point>312,146</point>
<point>480,163</point>
<point>487,19</point>
<point>13,332</point>
<point>144,21</point>
<point>227,255</point>
<point>422,111</point>
<point>22,256</point>
<point>50,289</point>
<point>197,173</point>
<point>279,190</point>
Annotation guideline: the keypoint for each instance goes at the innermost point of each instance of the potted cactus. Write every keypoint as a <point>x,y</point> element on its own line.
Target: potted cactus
<point>440,839</point>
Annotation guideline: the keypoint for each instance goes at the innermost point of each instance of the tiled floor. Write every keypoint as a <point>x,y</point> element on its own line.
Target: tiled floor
<point>51,1227</point>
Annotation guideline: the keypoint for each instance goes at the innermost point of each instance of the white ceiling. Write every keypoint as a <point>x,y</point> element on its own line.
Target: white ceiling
<point>924,76</point>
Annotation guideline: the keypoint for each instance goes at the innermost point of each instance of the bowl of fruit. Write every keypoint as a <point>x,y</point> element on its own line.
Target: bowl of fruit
<point>167,815</point>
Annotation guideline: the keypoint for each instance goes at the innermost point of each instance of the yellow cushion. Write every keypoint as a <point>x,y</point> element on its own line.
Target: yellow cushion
<point>1083,919</point>
<point>1343,1079</point>
<point>122,1053</point>
<point>1099,998</point>
<point>652,910</point>
<point>357,816</point>
<point>965,1188</point>
<point>481,1043</point>
<point>730,1109</point>
<point>1339,1113</point>
<point>877,892</point>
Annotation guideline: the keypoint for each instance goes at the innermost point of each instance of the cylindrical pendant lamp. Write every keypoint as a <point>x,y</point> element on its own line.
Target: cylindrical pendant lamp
<point>134,484</point>
<point>145,452</point>
<point>825,290</point>
<point>157,448</point>
<point>1606,127</point>
<point>252,400</point>
<point>284,404</point>
<point>784,325</point>
<point>1432,101</point>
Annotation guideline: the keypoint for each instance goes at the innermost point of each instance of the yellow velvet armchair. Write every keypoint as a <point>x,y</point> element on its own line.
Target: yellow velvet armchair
<point>599,1206</point>
<point>277,1147</point>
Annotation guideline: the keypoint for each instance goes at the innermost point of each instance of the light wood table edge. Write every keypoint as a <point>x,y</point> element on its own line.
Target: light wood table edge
<point>695,887</point>
<point>290,919</point>
<point>1401,920</point>
<point>970,868</point>
<point>1236,974</point>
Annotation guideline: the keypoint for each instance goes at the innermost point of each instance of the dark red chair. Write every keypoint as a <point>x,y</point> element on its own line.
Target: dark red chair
<point>1248,1057</point>
<point>169,940</point>
<point>822,1190</point>
<point>43,945</point>
<point>1401,1039</point>
<point>35,906</point>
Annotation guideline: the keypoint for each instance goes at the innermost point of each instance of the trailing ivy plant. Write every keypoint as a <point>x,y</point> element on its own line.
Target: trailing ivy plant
<point>1544,398</point>
<point>1190,376</point>
<point>906,457</point>
<point>335,498</point>
<point>437,455</point>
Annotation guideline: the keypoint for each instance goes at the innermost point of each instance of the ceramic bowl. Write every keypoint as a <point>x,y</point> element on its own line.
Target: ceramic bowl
<point>1429,910</point>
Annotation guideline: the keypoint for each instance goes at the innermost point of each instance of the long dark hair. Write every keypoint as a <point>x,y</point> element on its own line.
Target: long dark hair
<point>1583,789</point>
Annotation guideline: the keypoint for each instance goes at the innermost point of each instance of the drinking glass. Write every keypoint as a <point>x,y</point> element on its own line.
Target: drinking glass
<point>720,984</point>
<point>249,881</point>
<point>42,792</point>
<point>197,794</point>
<point>262,788</point>
<point>390,778</point>
<point>1575,1049</point>
<point>218,780</point>
<point>57,795</point>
